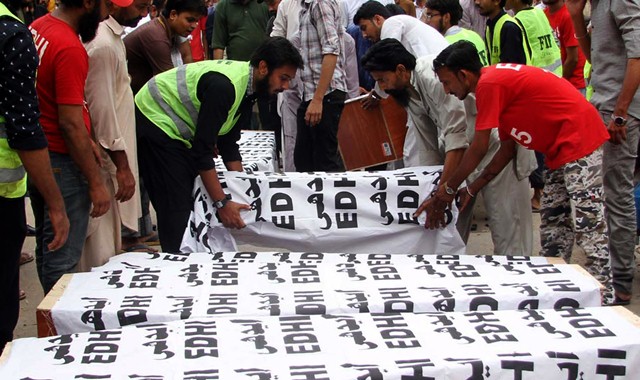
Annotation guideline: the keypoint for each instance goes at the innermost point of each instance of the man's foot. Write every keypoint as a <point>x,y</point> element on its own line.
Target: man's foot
<point>25,257</point>
<point>152,239</point>
<point>141,247</point>
<point>535,200</point>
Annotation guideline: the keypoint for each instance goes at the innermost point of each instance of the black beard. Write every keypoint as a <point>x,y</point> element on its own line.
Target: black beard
<point>401,96</point>
<point>88,24</point>
<point>132,23</point>
<point>262,88</point>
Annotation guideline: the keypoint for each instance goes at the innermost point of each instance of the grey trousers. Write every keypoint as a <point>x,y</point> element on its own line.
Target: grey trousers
<point>288,113</point>
<point>618,169</point>
<point>508,205</point>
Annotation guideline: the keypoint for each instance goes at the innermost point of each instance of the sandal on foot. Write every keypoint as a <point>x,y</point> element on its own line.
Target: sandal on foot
<point>25,257</point>
<point>140,248</point>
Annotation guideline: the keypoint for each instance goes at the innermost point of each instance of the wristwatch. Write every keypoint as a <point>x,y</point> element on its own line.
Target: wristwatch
<point>449,190</point>
<point>222,202</point>
<point>618,120</point>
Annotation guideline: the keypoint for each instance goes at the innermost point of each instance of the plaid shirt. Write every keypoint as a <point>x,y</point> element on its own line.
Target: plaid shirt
<point>321,32</point>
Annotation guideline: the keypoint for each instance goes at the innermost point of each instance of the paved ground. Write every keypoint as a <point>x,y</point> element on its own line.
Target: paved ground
<point>479,243</point>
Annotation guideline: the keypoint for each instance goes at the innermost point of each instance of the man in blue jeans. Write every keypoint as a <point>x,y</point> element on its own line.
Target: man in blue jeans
<point>60,87</point>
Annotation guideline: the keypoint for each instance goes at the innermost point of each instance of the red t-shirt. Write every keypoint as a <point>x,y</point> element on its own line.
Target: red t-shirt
<point>564,32</point>
<point>61,75</point>
<point>540,111</point>
<point>197,47</point>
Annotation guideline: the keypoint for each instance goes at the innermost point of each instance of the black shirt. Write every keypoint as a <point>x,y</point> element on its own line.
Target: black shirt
<point>217,95</point>
<point>18,99</point>
<point>511,42</point>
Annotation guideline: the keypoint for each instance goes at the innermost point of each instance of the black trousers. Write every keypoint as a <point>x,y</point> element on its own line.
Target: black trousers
<point>317,147</point>
<point>168,173</point>
<point>13,229</point>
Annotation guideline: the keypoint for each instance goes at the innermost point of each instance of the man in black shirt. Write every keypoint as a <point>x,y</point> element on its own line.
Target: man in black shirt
<point>187,115</point>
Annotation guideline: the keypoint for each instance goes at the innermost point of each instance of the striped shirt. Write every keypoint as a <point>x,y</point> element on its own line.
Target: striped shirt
<point>321,33</point>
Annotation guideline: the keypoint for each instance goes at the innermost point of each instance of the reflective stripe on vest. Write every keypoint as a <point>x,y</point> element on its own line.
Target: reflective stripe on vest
<point>474,38</point>
<point>493,42</point>
<point>183,128</point>
<point>169,100</point>
<point>5,12</point>
<point>541,43</point>
<point>13,177</point>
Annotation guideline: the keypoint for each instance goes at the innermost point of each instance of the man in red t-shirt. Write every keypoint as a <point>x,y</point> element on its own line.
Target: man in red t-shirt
<point>572,58</point>
<point>65,120</point>
<point>536,109</point>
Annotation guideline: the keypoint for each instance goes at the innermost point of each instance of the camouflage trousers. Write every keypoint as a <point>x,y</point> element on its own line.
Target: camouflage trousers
<point>578,184</point>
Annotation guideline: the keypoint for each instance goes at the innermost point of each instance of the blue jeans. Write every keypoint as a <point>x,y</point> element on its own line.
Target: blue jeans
<point>75,191</point>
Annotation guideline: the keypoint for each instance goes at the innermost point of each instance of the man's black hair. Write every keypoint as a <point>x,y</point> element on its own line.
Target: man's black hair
<point>369,10</point>
<point>277,52</point>
<point>386,55</point>
<point>395,9</point>
<point>461,55</point>
<point>76,3</point>
<point>452,7</point>
<point>12,5</point>
<point>184,6</point>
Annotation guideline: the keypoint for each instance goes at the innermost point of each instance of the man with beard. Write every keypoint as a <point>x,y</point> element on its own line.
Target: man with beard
<point>444,126</point>
<point>60,87</point>
<point>110,102</point>
<point>186,115</point>
<point>376,23</point>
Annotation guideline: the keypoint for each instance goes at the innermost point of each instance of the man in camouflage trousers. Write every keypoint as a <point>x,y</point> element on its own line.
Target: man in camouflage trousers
<point>566,128</point>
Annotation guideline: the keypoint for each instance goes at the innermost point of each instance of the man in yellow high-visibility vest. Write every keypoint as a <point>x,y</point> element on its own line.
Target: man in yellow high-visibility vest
<point>186,115</point>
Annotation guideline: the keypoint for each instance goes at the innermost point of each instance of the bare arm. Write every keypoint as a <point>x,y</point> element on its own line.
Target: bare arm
<point>218,53</point>
<point>124,176</point>
<point>570,62</point>
<point>38,166</point>
<point>185,52</point>
<point>472,156</point>
<point>80,149</point>
<point>575,8</point>
<point>502,157</point>
<point>629,88</point>
<point>314,111</point>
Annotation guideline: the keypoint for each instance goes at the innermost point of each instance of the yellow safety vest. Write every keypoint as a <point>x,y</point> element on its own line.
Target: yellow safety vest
<point>169,100</point>
<point>541,43</point>
<point>493,42</point>
<point>474,38</point>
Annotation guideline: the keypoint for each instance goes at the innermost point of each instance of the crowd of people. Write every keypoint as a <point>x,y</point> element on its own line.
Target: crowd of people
<point>134,98</point>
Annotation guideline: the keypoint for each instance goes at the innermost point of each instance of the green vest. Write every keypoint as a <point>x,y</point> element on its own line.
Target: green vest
<point>474,38</point>
<point>493,42</point>
<point>587,79</point>
<point>541,43</point>
<point>13,177</point>
<point>170,102</point>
